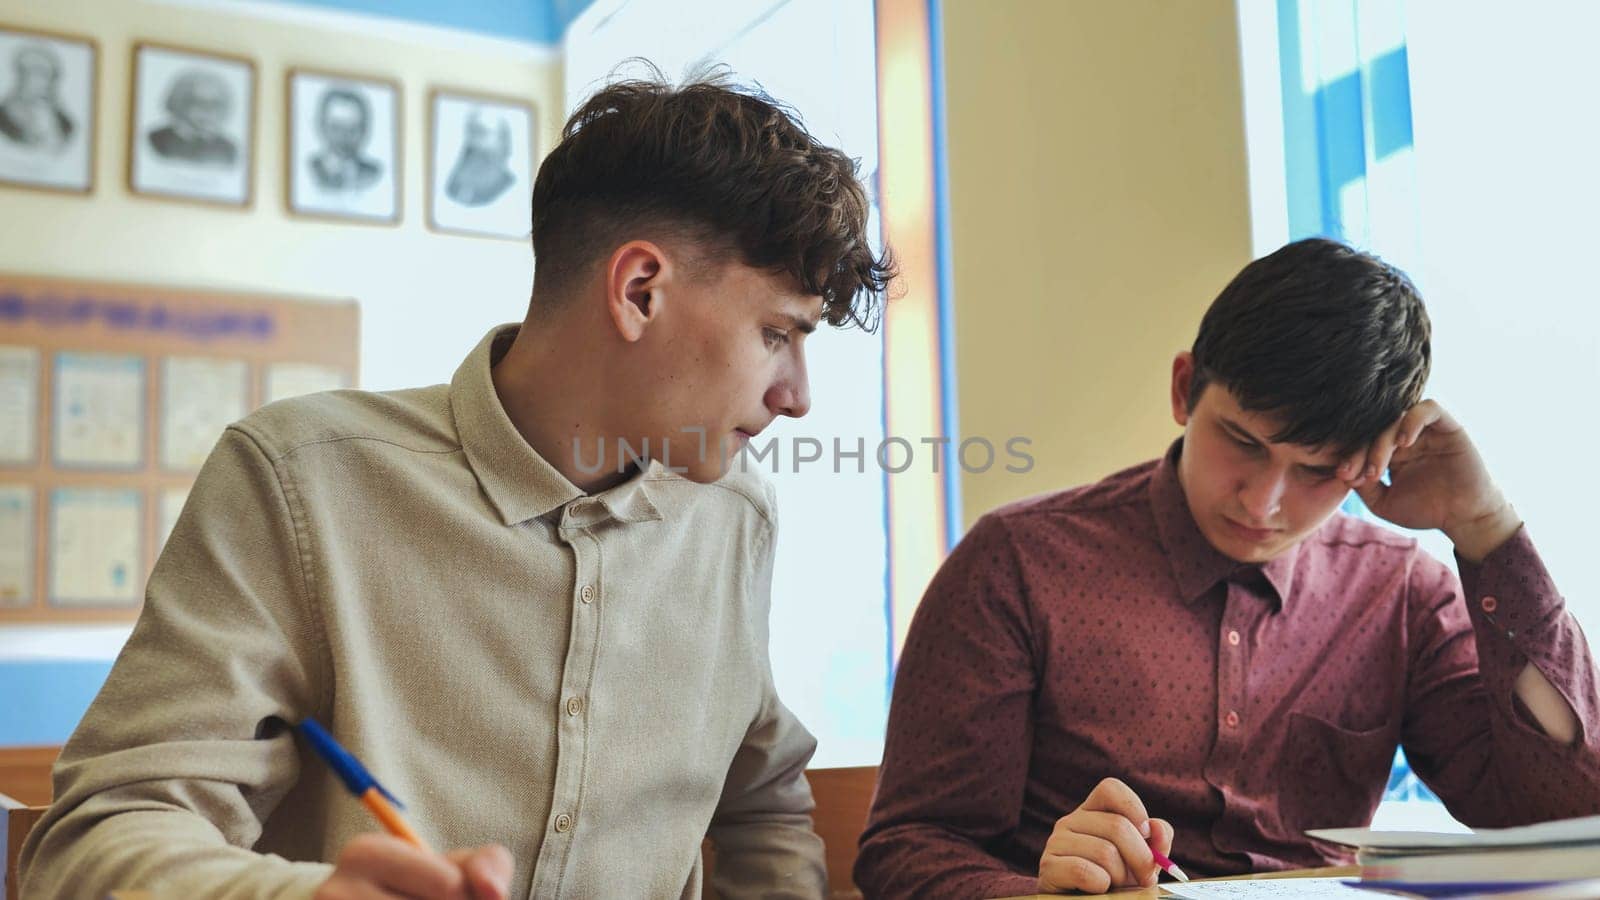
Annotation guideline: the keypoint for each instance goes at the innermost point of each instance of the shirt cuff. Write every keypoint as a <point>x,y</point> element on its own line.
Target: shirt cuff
<point>1510,592</point>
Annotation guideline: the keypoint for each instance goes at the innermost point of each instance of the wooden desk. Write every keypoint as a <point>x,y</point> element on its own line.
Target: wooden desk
<point>1150,893</point>
<point>1153,893</point>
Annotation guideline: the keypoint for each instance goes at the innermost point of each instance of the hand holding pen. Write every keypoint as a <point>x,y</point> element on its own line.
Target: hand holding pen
<point>1107,842</point>
<point>399,864</point>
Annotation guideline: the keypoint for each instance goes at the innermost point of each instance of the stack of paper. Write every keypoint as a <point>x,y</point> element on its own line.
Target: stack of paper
<point>1433,864</point>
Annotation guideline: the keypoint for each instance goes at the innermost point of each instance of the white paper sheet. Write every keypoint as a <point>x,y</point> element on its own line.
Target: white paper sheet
<point>16,545</point>
<point>94,547</point>
<point>199,398</point>
<point>1561,831</point>
<point>1302,888</point>
<point>19,405</point>
<point>172,500</point>
<point>99,414</point>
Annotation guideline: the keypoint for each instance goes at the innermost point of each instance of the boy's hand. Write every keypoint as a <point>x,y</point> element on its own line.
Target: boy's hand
<point>1104,843</point>
<point>375,866</point>
<point>1436,480</point>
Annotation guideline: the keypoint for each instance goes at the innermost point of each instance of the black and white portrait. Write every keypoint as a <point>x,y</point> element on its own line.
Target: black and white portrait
<point>192,124</point>
<point>197,105</point>
<point>482,171</point>
<point>46,110</point>
<point>481,165</point>
<point>344,146</point>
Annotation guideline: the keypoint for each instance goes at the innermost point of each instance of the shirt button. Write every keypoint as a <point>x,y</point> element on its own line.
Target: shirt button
<point>1233,638</point>
<point>1490,604</point>
<point>574,706</point>
<point>586,594</point>
<point>563,823</point>
<point>1232,719</point>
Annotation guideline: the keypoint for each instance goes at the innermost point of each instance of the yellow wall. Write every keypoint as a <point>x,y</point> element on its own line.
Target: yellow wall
<point>1098,202</point>
<point>426,298</point>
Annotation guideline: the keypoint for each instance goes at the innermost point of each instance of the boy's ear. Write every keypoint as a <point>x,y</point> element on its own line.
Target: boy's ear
<point>637,278</point>
<point>1182,380</point>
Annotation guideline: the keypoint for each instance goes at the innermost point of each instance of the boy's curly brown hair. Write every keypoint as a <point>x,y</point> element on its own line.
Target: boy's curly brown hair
<point>732,170</point>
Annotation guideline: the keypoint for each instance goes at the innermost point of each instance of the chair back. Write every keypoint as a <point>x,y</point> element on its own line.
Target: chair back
<point>16,820</point>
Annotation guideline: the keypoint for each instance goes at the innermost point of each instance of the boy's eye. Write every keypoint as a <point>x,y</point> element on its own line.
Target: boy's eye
<point>774,337</point>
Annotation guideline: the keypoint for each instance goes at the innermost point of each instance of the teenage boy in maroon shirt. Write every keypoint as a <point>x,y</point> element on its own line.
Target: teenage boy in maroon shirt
<point>1199,653</point>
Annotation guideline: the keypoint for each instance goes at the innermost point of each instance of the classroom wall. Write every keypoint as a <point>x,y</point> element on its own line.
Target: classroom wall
<point>1098,200</point>
<point>425,298</point>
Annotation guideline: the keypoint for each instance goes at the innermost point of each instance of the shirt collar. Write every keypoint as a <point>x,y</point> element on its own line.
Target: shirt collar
<point>1197,566</point>
<point>519,482</point>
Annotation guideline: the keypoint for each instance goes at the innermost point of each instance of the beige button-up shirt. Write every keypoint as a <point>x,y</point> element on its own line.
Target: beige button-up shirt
<point>584,679</point>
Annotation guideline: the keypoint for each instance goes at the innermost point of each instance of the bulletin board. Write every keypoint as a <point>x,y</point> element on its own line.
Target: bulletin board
<point>111,396</point>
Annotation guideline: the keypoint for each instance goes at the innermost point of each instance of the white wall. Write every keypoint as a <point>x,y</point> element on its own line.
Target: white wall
<point>1507,141</point>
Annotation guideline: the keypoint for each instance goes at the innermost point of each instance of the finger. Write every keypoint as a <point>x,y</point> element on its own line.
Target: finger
<point>348,887</point>
<point>1071,873</point>
<point>1161,835</point>
<point>1113,796</point>
<point>488,872</point>
<point>1381,450</point>
<point>366,890</point>
<point>1350,467</point>
<point>1419,418</point>
<point>398,867</point>
<point>1098,850</point>
<point>1132,862</point>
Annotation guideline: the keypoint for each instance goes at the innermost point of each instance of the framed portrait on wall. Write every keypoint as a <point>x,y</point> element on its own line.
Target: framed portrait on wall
<point>481,153</point>
<point>191,135</point>
<point>344,146</point>
<point>47,110</point>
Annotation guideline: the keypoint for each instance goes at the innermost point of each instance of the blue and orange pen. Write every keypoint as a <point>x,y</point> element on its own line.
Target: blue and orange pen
<point>384,806</point>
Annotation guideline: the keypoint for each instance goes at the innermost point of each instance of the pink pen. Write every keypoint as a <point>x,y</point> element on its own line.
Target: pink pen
<point>1167,865</point>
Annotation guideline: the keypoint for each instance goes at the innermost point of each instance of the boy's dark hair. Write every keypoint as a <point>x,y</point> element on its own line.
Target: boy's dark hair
<point>1331,340</point>
<point>733,171</point>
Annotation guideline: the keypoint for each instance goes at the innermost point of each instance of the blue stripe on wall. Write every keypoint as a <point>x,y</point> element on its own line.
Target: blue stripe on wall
<point>949,408</point>
<point>44,699</point>
<point>532,21</point>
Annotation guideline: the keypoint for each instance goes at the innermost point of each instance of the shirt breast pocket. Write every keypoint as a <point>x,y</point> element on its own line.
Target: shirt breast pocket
<point>1332,776</point>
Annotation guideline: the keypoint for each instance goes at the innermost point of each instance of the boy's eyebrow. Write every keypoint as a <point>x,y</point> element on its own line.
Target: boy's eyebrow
<point>1238,429</point>
<point>804,324</point>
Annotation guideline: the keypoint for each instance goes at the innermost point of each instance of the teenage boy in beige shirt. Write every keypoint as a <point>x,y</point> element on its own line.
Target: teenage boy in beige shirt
<point>533,601</point>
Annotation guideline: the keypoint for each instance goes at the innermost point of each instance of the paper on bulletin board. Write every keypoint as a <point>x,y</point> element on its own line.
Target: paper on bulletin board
<point>99,412</point>
<point>199,398</point>
<point>16,545</point>
<point>19,405</point>
<point>94,545</point>
<point>172,501</point>
<point>285,380</point>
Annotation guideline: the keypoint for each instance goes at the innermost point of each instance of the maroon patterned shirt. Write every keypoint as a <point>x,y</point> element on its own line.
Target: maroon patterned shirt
<point>1095,632</point>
